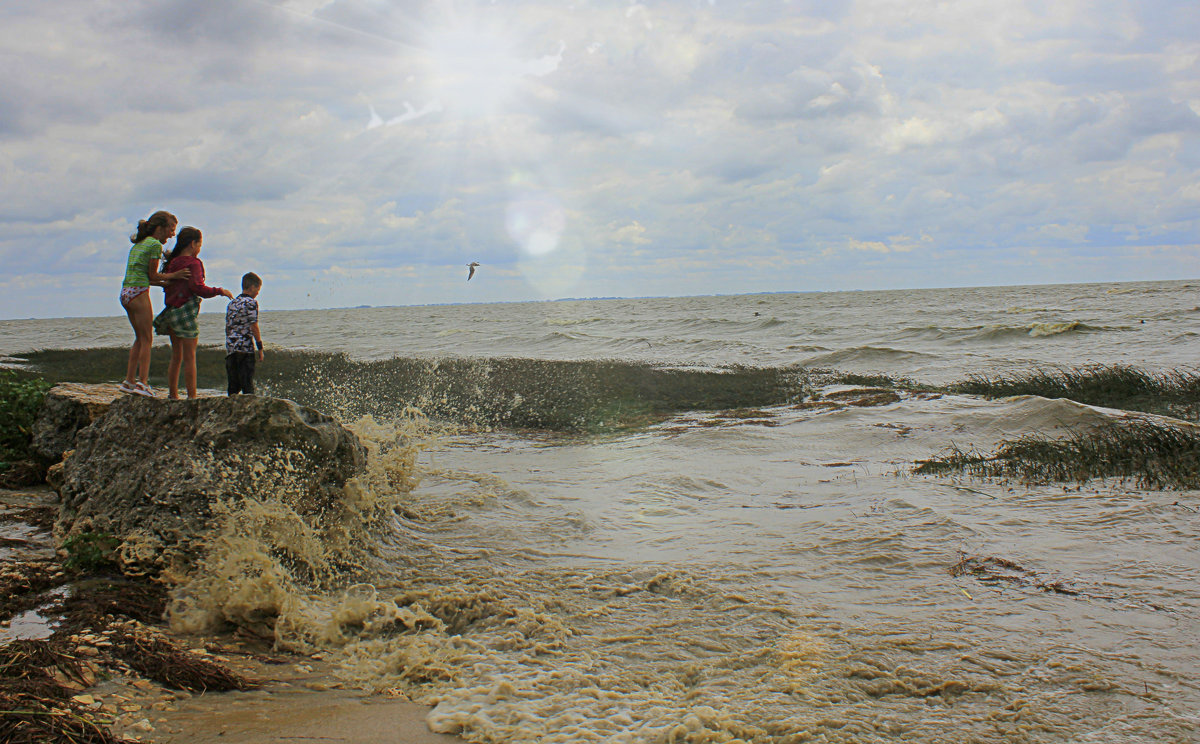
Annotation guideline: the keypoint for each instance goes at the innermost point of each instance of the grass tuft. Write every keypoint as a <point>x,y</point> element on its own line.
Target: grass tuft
<point>21,396</point>
<point>1148,453</point>
<point>1170,393</point>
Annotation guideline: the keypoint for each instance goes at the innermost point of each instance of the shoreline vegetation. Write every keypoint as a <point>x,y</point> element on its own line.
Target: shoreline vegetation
<point>115,629</point>
<point>1157,452</point>
<point>1150,454</point>
<point>1174,393</point>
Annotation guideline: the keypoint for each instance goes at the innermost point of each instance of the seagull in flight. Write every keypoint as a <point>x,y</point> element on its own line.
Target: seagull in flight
<point>471,269</point>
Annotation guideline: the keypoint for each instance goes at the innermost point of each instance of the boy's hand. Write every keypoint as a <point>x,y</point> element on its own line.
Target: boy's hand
<point>259,354</point>
<point>181,274</point>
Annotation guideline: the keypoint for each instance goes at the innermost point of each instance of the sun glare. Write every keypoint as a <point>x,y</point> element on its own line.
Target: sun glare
<point>473,71</point>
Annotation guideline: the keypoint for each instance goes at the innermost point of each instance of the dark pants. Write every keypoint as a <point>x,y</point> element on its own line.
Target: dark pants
<point>239,367</point>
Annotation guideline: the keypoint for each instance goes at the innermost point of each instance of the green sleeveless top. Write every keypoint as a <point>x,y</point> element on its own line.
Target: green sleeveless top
<point>140,256</point>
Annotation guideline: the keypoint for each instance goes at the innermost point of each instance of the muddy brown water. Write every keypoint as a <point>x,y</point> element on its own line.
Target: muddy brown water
<point>781,578</point>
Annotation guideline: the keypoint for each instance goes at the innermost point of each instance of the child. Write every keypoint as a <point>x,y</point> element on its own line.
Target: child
<point>243,343</point>
<point>141,270</point>
<point>178,318</point>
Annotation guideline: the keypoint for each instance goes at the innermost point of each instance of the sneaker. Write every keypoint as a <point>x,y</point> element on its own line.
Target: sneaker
<point>142,388</point>
<point>125,387</point>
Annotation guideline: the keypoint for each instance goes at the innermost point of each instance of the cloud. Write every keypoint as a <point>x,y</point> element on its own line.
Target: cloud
<point>769,144</point>
<point>215,186</point>
<point>633,234</point>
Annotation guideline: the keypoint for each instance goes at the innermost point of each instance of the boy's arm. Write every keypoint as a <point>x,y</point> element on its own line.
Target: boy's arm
<point>258,344</point>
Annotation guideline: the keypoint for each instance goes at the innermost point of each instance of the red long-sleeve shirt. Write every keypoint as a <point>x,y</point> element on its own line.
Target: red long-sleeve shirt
<point>180,291</point>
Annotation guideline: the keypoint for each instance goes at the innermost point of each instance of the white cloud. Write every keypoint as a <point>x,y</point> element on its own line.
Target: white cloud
<point>633,234</point>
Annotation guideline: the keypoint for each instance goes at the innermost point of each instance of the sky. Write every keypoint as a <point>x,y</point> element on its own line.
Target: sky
<point>362,152</point>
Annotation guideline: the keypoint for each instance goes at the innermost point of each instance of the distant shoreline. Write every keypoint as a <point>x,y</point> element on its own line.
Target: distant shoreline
<point>269,310</point>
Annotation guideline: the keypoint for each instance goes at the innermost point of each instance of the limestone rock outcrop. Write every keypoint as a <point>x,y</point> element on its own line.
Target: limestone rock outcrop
<point>68,407</point>
<point>153,469</point>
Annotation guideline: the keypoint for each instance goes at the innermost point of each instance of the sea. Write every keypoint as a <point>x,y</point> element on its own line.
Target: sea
<point>622,520</point>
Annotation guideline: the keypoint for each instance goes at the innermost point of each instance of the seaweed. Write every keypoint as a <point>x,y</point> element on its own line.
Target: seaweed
<point>159,659</point>
<point>1151,454</point>
<point>1172,393</point>
<point>22,584</point>
<point>26,719</point>
<point>35,705</point>
<point>97,603</point>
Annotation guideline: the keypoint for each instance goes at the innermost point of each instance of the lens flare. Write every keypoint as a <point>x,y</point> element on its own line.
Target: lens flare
<point>535,222</point>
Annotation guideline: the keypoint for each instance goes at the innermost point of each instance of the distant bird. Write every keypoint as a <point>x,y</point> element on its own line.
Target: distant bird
<point>471,269</point>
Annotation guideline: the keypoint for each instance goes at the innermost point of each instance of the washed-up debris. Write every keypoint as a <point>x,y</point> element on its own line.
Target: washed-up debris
<point>22,584</point>
<point>991,569</point>
<point>96,602</point>
<point>855,397</point>
<point>155,657</point>
<point>38,700</point>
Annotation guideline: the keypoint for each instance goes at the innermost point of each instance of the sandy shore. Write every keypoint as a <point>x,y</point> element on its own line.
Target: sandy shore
<point>298,698</point>
<point>295,704</point>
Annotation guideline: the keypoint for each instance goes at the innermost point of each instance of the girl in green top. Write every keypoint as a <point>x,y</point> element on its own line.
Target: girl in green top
<point>141,270</point>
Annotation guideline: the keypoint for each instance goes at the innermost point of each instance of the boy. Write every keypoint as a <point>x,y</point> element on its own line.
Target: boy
<point>243,344</point>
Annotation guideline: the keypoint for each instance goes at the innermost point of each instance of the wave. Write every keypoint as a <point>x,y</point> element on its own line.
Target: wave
<point>520,393</point>
<point>864,354</point>
<point>1038,330</point>
<point>927,333</point>
<point>806,347</point>
<point>1022,415</point>
<point>771,323</point>
<point>1033,330</point>
<point>576,321</point>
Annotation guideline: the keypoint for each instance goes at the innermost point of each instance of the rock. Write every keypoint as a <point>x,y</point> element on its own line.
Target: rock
<point>150,471</point>
<point>68,407</point>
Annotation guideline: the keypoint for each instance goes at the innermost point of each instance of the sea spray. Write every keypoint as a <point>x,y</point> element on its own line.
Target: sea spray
<point>483,393</point>
<point>270,568</point>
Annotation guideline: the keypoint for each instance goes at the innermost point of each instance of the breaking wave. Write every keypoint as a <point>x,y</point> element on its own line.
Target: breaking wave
<point>571,396</point>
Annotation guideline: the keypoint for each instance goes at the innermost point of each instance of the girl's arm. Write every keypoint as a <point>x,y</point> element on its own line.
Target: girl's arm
<point>200,289</point>
<point>159,279</point>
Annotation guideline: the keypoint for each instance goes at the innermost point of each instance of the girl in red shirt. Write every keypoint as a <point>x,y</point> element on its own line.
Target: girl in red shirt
<point>179,319</point>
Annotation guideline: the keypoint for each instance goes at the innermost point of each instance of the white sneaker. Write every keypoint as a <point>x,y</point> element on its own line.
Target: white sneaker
<point>142,388</point>
<point>125,387</point>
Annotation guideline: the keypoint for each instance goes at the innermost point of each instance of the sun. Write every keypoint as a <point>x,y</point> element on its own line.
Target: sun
<point>473,71</point>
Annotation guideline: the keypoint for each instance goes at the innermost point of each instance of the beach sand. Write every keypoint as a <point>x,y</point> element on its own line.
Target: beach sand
<point>295,704</point>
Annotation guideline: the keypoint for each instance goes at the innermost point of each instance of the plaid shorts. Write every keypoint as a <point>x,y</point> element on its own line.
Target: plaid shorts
<point>179,321</point>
